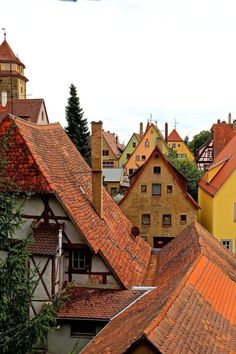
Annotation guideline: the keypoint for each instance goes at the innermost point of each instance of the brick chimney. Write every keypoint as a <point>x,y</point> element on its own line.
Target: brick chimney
<point>141,129</point>
<point>96,154</point>
<point>166,132</point>
<point>229,118</point>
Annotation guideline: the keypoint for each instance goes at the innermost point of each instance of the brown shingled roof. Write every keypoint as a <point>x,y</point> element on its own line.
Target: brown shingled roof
<point>43,158</point>
<point>92,303</point>
<point>192,310</point>
<point>6,54</point>
<point>115,146</point>
<point>25,108</point>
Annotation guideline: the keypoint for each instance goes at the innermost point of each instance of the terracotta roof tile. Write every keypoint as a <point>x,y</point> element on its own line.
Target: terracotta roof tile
<point>43,158</point>
<point>227,157</point>
<point>45,240</point>
<point>222,134</point>
<point>6,54</point>
<point>192,309</point>
<point>97,303</point>
<point>115,146</point>
<point>25,108</point>
<point>174,136</point>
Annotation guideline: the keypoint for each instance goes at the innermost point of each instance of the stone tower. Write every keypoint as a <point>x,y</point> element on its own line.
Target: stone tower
<point>12,79</point>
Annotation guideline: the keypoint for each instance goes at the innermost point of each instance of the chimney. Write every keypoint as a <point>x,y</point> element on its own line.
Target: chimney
<point>117,140</point>
<point>166,132</point>
<point>96,154</point>
<point>229,118</point>
<point>234,124</point>
<point>141,129</point>
<point>218,121</point>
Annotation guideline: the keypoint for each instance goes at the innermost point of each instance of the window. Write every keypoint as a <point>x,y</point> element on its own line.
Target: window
<point>143,157</point>
<point>134,144</point>
<point>131,170</point>
<point>105,152</point>
<point>183,219</point>
<point>182,156</point>
<point>173,146</point>
<point>146,143</point>
<point>143,188</point>
<point>113,191</point>
<point>79,259</point>
<point>86,328</point>
<point>169,189</point>
<point>157,169</point>
<point>156,189</point>
<point>227,244</point>
<point>146,219</point>
<point>128,156</point>
<point>108,164</point>
<point>137,157</point>
<point>166,219</point>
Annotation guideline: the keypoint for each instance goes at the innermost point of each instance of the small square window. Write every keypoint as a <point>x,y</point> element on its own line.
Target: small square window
<point>173,146</point>
<point>105,152</point>
<point>137,157</point>
<point>146,219</point>
<point>156,189</point>
<point>227,244</point>
<point>169,189</point>
<point>143,157</point>
<point>143,188</point>
<point>157,169</point>
<point>166,219</point>
<point>183,219</point>
<point>134,144</point>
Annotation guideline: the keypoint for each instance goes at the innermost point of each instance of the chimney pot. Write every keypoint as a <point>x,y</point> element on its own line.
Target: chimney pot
<point>229,118</point>
<point>166,132</point>
<point>234,124</point>
<point>218,121</point>
<point>141,129</point>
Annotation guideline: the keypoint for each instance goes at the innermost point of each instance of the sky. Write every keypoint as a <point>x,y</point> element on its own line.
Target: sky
<point>130,60</point>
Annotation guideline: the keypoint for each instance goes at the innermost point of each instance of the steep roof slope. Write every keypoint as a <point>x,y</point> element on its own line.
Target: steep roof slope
<point>222,134</point>
<point>6,54</point>
<point>191,310</point>
<point>174,136</point>
<point>227,157</point>
<point>112,141</point>
<point>42,158</point>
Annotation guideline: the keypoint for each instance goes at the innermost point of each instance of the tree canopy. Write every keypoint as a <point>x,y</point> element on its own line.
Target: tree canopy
<point>198,140</point>
<point>77,126</point>
<point>189,169</point>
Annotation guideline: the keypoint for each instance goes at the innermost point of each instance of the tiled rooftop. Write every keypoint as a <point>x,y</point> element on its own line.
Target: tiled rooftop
<point>97,303</point>
<point>6,54</point>
<point>115,146</point>
<point>192,310</point>
<point>25,108</point>
<point>174,136</point>
<point>43,159</point>
<point>45,240</point>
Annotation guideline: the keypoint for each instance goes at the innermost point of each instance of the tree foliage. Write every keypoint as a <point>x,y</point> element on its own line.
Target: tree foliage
<point>18,331</point>
<point>198,140</point>
<point>77,126</point>
<point>189,170</point>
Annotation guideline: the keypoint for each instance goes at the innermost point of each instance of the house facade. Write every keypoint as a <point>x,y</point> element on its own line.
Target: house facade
<point>131,146</point>
<point>217,198</point>
<point>157,201</point>
<point>149,140</point>
<point>111,150</point>
<point>176,143</point>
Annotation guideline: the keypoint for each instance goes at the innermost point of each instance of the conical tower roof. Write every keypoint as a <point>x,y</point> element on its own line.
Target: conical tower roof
<point>174,136</point>
<point>7,54</point>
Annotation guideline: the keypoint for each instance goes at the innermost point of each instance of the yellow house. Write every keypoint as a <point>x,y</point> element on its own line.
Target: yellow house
<point>149,140</point>
<point>157,201</point>
<point>217,197</point>
<point>175,142</point>
<point>111,150</point>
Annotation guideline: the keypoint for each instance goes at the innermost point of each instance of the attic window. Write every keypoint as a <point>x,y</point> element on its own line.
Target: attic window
<point>134,144</point>
<point>227,244</point>
<point>166,220</point>
<point>183,219</point>
<point>105,152</point>
<point>157,169</point>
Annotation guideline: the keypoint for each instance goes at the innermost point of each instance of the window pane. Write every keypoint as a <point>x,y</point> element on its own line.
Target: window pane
<point>169,189</point>
<point>166,219</point>
<point>143,188</point>
<point>183,219</point>
<point>156,189</point>
<point>146,219</point>
<point>157,169</point>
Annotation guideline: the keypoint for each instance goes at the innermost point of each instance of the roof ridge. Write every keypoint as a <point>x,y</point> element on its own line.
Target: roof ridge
<point>26,122</point>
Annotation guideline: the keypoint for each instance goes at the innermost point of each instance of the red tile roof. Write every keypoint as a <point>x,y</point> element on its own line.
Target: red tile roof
<point>45,240</point>
<point>25,108</point>
<point>222,134</point>
<point>174,136</point>
<point>227,157</point>
<point>115,146</point>
<point>6,54</point>
<point>192,310</point>
<point>43,159</point>
<point>97,303</point>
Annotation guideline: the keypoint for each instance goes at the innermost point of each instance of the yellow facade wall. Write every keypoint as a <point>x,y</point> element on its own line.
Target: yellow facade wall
<point>218,213</point>
<point>181,148</point>
<point>175,204</point>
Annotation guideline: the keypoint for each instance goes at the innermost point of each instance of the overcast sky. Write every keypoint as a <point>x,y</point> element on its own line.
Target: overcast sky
<point>128,59</point>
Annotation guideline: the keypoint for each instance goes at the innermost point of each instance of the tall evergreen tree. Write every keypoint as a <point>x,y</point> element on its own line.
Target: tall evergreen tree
<point>77,128</point>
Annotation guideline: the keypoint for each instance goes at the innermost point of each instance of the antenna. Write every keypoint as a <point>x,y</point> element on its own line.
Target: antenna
<point>175,123</point>
<point>5,35</point>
